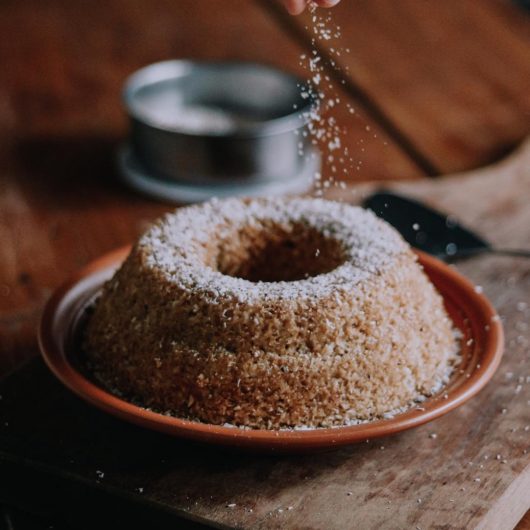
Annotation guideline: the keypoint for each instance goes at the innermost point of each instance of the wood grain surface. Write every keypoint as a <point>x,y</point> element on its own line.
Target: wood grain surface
<point>61,71</point>
<point>524,524</point>
<point>451,77</point>
<point>469,469</point>
<point>437,87</point>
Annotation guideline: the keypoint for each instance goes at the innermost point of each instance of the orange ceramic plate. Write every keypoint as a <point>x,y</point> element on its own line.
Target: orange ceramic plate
<point>471,312</point>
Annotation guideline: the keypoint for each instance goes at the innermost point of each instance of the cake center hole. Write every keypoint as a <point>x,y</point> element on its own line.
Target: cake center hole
<point>277,253</point>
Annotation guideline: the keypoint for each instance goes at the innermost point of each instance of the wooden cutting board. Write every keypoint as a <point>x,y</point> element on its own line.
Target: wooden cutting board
<point>470,469</point>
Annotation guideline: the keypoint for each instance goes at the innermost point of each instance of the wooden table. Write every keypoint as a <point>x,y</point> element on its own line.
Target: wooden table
<point>437,88</point>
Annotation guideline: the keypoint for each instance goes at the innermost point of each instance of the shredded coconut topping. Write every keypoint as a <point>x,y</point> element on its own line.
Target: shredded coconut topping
<point>272,314</point>
<point>173,245</point>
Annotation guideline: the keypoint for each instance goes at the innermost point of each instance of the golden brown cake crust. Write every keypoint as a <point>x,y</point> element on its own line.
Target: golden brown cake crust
<point>272,313</point>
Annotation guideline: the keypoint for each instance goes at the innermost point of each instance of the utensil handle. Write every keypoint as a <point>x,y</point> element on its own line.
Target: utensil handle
<point>513,252</point>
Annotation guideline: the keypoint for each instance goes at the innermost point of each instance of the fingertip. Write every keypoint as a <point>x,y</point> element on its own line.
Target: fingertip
<point>327,3</point>
<point>295,7</point>
<point>294,12</point>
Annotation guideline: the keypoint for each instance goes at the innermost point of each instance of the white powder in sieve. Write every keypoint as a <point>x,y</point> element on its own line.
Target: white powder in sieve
<point>198,119</point>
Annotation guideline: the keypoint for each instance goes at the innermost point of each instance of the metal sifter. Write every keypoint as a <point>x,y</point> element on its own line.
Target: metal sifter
<point>203,129</point>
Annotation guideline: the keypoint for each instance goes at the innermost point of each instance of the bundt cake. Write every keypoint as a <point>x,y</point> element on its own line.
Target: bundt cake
<point>271,313</point>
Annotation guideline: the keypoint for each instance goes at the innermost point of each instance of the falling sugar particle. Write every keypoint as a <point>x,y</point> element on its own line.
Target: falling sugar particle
<point>326,130</point>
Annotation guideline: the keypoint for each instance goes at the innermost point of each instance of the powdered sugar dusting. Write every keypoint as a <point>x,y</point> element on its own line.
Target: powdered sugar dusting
<point>194,323</point>
<point>325,127</point>
<point>173,246</point>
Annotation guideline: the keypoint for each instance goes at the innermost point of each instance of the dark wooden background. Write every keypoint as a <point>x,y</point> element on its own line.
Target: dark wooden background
<point>438,87</point>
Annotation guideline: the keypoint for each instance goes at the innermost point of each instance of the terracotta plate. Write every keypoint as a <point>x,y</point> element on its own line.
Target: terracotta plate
<point>481,346</point>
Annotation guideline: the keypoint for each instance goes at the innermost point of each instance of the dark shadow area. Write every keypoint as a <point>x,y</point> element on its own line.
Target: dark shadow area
<point>52,435</point>
<point>70,171</point>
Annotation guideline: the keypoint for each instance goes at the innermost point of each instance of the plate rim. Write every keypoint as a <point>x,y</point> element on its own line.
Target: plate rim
<point>51,345</point>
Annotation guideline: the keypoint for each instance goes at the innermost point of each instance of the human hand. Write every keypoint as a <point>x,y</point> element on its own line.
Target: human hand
<point>295,7</point>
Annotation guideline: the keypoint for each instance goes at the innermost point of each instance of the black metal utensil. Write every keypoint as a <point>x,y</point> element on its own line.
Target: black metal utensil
<point>432,231</point>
